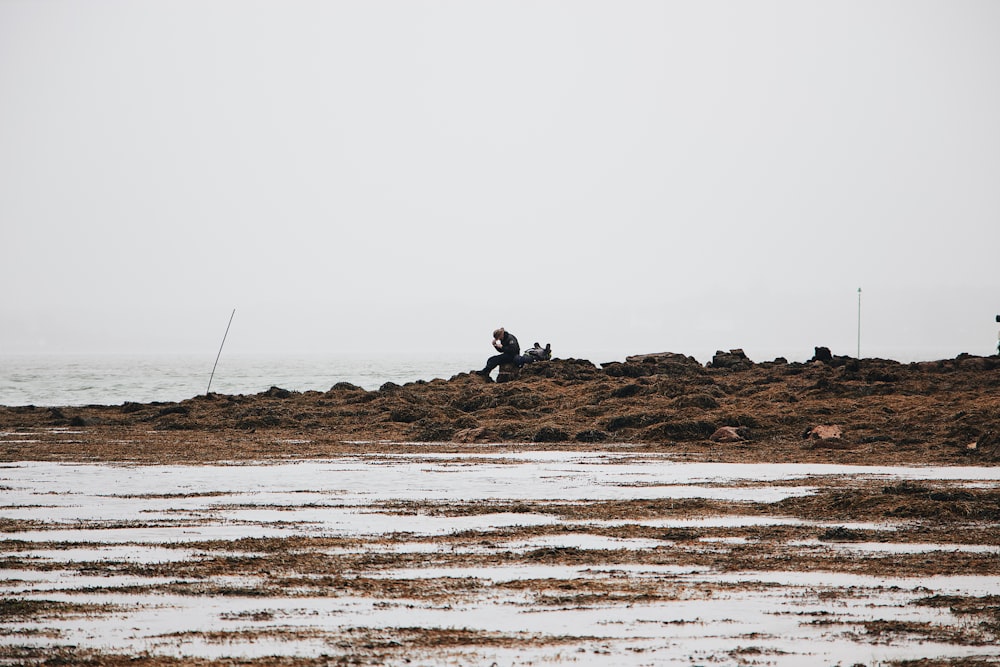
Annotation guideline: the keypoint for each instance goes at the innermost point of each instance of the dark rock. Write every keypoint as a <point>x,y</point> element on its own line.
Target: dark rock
<point>628,391</point>
<point>573,370</point>
<point>880,375</point>
<point>703,401</point>
<point>660,358</point>
<point>681,430</point>
<point>345,386</point>
<point>735,360</point>
<point>663,363</point>
<point>618,369</point>
<point>591,435</point>
<point>551,434</point>
<point>278,392</point>
<point>508,372</point>
<point>822,354</point>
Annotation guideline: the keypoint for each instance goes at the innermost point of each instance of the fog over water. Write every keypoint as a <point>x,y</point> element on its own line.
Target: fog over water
<point>398,177</point>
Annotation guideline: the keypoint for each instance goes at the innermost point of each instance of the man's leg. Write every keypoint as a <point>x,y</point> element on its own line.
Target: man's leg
<point>495,361</point>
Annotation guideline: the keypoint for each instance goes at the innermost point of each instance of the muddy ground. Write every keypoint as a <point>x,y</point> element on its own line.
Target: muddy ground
<point>874,412</point>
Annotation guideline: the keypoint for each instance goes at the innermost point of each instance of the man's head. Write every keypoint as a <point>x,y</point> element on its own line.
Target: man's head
<point>498,334</point>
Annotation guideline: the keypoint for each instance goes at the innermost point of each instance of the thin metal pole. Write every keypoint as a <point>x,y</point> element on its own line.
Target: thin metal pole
<point>859,323</point>
<point>220,353</point>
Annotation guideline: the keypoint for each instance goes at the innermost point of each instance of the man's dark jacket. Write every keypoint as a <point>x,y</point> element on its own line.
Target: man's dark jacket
<point>509,344</point>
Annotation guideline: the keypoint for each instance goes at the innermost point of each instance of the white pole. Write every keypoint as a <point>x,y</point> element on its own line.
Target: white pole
<point>859,323</point>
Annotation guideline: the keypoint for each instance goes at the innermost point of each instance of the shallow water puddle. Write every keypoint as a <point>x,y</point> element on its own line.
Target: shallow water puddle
<point>505,557</point>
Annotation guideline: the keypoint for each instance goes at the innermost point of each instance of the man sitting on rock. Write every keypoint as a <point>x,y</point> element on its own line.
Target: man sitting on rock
<point>506,344</point>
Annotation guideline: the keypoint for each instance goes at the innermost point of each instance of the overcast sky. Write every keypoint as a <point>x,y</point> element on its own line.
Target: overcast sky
<point>615,178</point>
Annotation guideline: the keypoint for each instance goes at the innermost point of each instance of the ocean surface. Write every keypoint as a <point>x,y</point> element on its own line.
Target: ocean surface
<point>113,380</point>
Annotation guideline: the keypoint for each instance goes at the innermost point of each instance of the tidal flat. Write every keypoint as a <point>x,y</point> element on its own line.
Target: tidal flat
<point>514,556</point>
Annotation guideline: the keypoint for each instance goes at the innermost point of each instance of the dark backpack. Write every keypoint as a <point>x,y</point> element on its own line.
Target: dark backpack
<point>538,353</point>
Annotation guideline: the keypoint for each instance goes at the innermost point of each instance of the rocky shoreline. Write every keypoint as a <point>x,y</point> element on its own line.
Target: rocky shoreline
<point>552,518</point>
<point>831,408</point>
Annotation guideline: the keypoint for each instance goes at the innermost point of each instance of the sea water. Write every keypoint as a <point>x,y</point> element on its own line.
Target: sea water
<point>113,379</point>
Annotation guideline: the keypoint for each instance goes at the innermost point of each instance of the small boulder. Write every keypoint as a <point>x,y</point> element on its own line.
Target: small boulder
<point>824,432</point>
<point>345,386</point>
<point>735,360</point>
<point>508,372</point>
<point>551,434</point>
<point>726,434</point>
<point>822,354</point>
<point>591,435</point>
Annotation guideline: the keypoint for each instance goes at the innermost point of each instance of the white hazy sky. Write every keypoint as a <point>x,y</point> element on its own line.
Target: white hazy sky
<point>615,178</point>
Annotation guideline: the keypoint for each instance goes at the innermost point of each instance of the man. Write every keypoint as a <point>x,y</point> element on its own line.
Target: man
<point>506,344</point>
